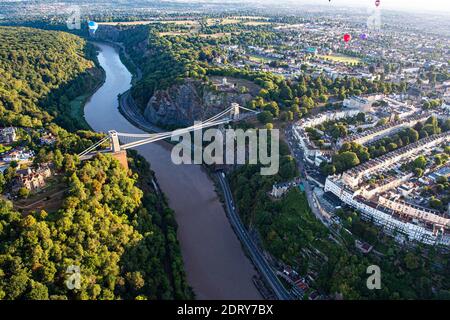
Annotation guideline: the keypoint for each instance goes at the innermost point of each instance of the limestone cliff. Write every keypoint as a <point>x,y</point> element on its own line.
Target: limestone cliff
<point>182,104</point>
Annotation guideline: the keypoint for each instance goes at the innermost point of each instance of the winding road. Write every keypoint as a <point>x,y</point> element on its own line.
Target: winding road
<point>257,257</point>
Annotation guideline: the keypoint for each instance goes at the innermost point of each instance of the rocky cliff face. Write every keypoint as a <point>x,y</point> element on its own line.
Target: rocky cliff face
<point>105,32</point>
<point>181,105</point>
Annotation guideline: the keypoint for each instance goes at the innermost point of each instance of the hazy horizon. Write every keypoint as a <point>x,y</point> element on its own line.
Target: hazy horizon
<point>409,5</point>
<point>438,6</point>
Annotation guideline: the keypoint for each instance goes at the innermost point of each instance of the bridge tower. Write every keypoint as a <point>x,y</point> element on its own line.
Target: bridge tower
<point>235,111</point>
<point>115,144</point>
<point>116,151</point>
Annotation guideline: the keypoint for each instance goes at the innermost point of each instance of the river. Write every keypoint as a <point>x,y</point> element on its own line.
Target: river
<point>214,260</point>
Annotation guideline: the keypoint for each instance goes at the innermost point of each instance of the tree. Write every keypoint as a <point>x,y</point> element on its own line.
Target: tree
<point>38,291</point>
<point>295,109</point>
<point>323,98</point>
<point>307,102</point>
<point>328,169</point>
<point>426,105</point>
<point>382,122</point>
<point>58,159</point>
<point>447,150</point>
<point>391,147</point>
<point>361,117</point>
<point>290,116</point>
<point>446,125</point>
<point>442,179</point>
<point>23,193</point>
<point>109,228</point>
<point>135,280</point>
<point>420,162</point>
<point>411,261</point>
<point>345,161</point>
<point>273,108</point>
<point>269,126</point>
<point>2,183</point>
<point>69,163</point>
<point>418,172</point>
<point>438,160</point>
<point>412,134</point>
<point>436,204</point>
<point>338,131</point>
<point>430,129</point>
<point>286,93</point>
<point>265,117</point>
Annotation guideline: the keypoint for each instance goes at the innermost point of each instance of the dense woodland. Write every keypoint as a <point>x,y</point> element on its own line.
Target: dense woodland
<point>107,227</point>
<point>34,65</point>
<point>112,223</point>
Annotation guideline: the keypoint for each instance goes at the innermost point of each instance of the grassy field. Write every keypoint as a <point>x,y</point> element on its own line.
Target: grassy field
<point>214,35</point>
<point>77,110</point>
<point>256,23</point>
<point>201,35</point>
<point>143,22</point>
<point>340,59</point>
<point>259,59</point>
<point>77,104</point>
<point>224,21</point>
<point>173,33</point>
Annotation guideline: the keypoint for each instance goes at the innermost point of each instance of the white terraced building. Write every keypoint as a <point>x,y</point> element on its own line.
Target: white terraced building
<point>359,103</point>
<point>380,132</point>
<point>353,177</point>
<point>416,223</point>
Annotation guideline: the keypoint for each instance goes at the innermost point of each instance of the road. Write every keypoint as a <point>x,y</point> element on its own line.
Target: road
<point>129,110</point>
<point>255,253</point>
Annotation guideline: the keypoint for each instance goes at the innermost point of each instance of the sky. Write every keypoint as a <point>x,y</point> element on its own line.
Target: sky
<point>416,5</point>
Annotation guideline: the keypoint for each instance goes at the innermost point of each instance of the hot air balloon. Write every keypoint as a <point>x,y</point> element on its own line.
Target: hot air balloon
<point>347,37</point>
<point>363,36</point>
<point>93,26</point>
<point>377,2</point>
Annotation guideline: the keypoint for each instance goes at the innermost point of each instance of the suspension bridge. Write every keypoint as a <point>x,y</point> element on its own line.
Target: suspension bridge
<point>119,142</point>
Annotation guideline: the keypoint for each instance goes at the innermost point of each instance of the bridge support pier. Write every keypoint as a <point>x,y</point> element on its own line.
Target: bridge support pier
<point>121,156</point>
